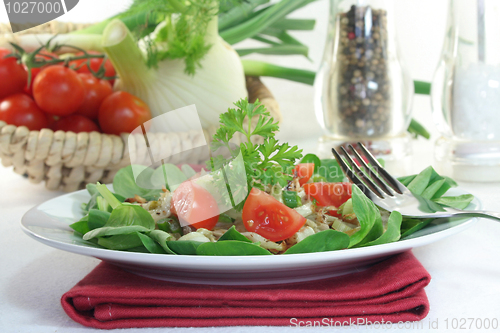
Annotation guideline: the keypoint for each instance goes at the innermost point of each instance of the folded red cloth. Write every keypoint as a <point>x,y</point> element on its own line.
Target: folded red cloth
<point>390,291</point>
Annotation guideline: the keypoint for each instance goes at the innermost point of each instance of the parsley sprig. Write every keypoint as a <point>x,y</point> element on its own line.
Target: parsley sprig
<point>268,163</point>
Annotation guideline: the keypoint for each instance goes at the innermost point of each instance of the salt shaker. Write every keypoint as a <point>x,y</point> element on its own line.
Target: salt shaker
<point>362,90</point>
<point>466,93</point>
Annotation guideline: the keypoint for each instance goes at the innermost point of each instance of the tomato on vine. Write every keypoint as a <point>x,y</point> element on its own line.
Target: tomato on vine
<point>13,76</point>
<point>75,123</point>
<point>58,90</point>
<point>20,110</point>
<point>36,70</point>
<point>96,91</point>
<point>93,65</point>
<point>122,112</point>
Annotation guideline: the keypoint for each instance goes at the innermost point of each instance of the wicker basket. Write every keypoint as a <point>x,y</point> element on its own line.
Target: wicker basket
<point>67,161</point>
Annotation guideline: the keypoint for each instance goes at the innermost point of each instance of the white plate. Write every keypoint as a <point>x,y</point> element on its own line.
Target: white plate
<point>49,224</point>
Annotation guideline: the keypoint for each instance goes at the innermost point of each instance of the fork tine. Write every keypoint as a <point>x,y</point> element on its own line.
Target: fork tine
<point>391,181</point>
<point>373,175</point>
<point>352,176</point>
<point>361,175</point>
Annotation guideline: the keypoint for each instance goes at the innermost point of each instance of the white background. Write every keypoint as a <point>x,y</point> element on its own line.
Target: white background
<point>464,268</point>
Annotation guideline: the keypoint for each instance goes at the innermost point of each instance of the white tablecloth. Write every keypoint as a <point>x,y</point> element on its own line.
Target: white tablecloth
<point>465,268</point>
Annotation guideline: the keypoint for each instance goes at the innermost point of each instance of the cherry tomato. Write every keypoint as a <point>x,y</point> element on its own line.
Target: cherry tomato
<point>75,123</point>
<point>122,112</point>
<point>58,90</point>
<point>268,217</point>
<point>95,92</point>
<point>21,110</point>
<point>51,119</point>
<point>195,206</point>
<point>82,66</point>
<point>35,71</point>
<point>304,172</point>
<point>358,163</point>
<point>13,76</point>
<point>329,194</point>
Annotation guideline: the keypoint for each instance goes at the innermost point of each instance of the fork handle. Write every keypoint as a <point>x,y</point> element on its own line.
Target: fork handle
<point>481,213</point>
<point>488,214</point>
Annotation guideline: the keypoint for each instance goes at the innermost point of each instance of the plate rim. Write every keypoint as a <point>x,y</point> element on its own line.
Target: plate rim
<point>249,261</point>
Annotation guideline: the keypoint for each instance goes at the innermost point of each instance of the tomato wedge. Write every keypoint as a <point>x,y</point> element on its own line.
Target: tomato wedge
<point>304,172</point>
<point>329,194</point>
<point>268,217</point>
<point>195,206</point>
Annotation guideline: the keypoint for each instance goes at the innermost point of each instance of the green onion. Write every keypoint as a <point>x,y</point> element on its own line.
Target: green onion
<point>261,21</point>
<point>421,87</point>
<point>237,14</point>
<point>291,199</point>
<point>170,225</point>
<point>106,193</point>
<point>282,36</point>
<point>264,39</point>
<point>417,129</point>
<point>276,50</point>
<point>294,24</point>
<point>260,68</point>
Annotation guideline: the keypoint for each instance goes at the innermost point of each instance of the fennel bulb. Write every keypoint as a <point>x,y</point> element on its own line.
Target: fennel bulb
<point>212,89</point>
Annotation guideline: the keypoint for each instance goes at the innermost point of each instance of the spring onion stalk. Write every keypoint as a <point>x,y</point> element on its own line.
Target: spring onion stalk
<point>216,85</point>
<point>31,42</point>
<point>416,129</point>
<point>294,24</point>
<point>236,14</point>
<point>261,68</point>
<point>421,87</point>
<point>282,35</point>
<point>264,39</point>
<point>146,20</point>
<point>276,50</point>
<point>108,196</point>
<point>261,21</point>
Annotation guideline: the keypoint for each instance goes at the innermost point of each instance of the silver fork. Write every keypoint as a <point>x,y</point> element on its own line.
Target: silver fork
<point>388,193</point>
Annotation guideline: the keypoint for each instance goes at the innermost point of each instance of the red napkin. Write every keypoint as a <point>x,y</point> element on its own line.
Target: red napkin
<point>390,291</point>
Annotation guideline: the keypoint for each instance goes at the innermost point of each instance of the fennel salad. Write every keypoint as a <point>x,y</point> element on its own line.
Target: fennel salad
<point>289,203</point>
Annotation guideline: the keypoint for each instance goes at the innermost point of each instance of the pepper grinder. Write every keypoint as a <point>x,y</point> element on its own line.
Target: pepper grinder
<point>362,90</point>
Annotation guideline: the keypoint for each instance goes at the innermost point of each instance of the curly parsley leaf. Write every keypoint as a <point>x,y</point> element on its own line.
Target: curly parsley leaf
<point>268,163</point>
<point>233,121</point>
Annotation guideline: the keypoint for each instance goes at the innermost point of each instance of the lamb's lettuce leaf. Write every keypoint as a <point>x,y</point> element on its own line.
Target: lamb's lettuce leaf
<point>327,240</point>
